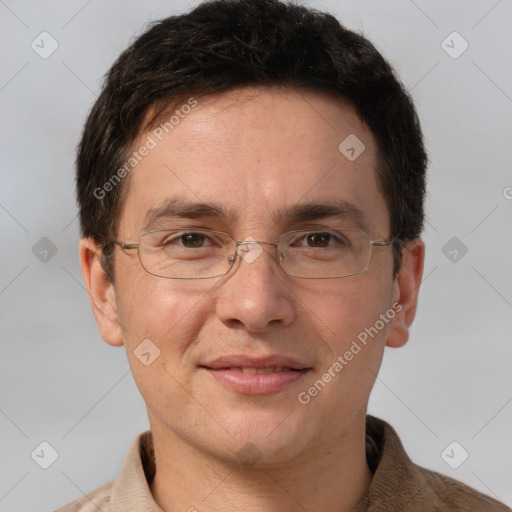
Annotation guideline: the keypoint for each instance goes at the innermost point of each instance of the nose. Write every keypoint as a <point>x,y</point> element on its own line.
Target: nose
<point>254,294</point>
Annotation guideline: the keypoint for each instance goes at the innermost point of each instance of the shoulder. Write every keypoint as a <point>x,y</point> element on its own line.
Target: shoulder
<point>129,487</point>
<point>456,496</point>
<point>95,501</point>
<point>399,484</point>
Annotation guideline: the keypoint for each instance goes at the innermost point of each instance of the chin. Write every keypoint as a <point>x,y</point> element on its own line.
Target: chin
<point>265,439</point>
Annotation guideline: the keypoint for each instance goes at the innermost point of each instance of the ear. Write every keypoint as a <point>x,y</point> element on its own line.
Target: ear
<point>101,292</point>
<point>405,295</point>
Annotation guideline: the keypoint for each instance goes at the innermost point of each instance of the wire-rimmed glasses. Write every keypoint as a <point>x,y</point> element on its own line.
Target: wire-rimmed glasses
<point>193,253</point>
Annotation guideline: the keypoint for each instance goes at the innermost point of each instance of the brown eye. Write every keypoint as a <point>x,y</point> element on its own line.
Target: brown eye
<point>318,239</point>
<point>192,240</point>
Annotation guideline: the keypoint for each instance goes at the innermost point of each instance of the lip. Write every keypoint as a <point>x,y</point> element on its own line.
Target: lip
<point>245,361</point>
<point>227,371</point>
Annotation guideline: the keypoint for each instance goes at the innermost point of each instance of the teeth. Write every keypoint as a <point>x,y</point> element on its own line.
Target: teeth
<point>262,371</point>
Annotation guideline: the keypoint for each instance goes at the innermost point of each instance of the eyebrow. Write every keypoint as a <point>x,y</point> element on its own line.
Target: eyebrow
<point>175,207</point>
<point>340,210</point>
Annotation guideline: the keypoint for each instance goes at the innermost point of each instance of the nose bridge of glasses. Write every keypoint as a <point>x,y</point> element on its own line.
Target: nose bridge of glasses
<point>255,242</point>
<point>253,245</point>
<point>250,249</point>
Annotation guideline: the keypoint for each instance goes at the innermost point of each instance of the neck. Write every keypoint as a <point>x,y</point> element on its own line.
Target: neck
<point>333,477</point>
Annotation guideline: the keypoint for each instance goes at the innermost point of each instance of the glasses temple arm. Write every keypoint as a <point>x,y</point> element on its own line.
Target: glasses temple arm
<point>124,245</point>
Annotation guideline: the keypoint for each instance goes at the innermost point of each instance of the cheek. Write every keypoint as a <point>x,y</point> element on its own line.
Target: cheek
<point>346,309</point>
<point>353,334</point>
<point>162,320</point>
<point>353,320</point>
<point>170,313</point>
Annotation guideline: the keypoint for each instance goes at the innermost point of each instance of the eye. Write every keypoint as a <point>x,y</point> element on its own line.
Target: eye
<point>318,239</point>
<point>192,240</point>
<point>189,240</point>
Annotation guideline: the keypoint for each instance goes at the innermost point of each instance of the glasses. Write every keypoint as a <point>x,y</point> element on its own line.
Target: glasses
<point>190,253</point>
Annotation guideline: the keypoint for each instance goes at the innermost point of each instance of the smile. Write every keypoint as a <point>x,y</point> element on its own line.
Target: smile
<point>256,381</point>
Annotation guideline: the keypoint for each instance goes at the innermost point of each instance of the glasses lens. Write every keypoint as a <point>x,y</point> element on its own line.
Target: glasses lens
<point>324,254</point>
<point>186,253</point>
<point>203,254</point>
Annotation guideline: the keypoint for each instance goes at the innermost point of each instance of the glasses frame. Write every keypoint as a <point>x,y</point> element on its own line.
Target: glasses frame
<point>127,246</point>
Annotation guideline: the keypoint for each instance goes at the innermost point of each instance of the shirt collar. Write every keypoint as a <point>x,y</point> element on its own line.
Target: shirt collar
<point>131,490</point>
<point>396,480</point>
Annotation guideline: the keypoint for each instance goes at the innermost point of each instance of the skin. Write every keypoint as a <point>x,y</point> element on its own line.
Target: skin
<point>256,150</point>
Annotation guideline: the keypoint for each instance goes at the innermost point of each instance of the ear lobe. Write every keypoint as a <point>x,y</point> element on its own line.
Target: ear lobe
<point>407,285</point>
<point>101,292</point>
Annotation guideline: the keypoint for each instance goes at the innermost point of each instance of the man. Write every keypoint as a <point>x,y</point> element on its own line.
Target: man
<point>251,184</point>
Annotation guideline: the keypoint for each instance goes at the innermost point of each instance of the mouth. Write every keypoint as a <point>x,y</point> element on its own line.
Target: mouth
<point>255,378</point>
<point>252,370</point>
<point>257,370</point>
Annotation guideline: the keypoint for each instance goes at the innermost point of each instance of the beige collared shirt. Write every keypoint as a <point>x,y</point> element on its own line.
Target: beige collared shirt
<point>397,484</point>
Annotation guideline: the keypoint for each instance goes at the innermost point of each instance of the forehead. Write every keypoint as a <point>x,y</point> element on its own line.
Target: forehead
<point>256,152</point>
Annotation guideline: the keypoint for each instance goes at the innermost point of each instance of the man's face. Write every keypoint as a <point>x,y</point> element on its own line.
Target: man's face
<point>254,153</point>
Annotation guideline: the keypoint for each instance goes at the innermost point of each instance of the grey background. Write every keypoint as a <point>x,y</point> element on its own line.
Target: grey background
<point>62,384</point>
